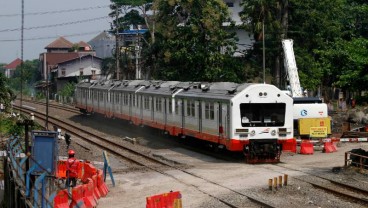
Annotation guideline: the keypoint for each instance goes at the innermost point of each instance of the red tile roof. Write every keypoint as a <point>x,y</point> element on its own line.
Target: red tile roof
<point>83,44</point>
<point>60,43</point>
<point>55,58</point>
<point>14,64</point>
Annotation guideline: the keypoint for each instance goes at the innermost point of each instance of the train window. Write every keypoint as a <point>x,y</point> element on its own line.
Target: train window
<point>209,111</point>
<point>170,107</point>
<point>191,108</point>
<point>158,104</point>
<point>146,103</point>
<point>177,103</point>
<point>262,114</point>
<point>100,96</point>
<point>117,97</point>
<point>133,99</point>
<point>126,99</point>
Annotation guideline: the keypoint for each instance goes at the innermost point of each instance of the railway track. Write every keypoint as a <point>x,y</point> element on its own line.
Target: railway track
<point>57,106</point>
<point>144,160</point>
<point>343,190</point>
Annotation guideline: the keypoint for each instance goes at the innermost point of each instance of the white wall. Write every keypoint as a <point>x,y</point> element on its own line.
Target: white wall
<point>72,69</point>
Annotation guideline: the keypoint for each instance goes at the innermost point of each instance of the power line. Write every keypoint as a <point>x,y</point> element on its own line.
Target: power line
<point>52,37</point>
<point>56,25</point>
<point>56,12</point>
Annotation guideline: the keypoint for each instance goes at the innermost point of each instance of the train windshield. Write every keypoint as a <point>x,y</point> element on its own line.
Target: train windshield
<point>262,114</point>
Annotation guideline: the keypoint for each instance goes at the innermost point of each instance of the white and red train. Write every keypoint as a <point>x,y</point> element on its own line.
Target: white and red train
<point>254,118</point>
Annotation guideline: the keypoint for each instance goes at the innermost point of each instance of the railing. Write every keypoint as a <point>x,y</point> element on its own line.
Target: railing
<point>362,164</point>
<point>22,187</point>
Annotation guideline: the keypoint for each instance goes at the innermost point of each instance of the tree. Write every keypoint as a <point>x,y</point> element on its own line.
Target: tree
<point>137,14</point>
<point>30,75</point>
<point>347,61</point>
<point>323,31</point>
<point>273,15</point>
<point>192,44</point>
<point>6,94</point>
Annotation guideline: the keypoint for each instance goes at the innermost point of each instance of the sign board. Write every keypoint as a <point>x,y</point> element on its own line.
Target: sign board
<point>318,131</point>
<point>44,151</point>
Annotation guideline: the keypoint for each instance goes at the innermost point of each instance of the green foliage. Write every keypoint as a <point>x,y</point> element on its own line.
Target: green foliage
<point>8,126</point>
<point>30,74</point>
<point>192,43</point>
<point>6,94</point>
<point>361,100</point>
<point>347,62</point>
<point>68,90</point>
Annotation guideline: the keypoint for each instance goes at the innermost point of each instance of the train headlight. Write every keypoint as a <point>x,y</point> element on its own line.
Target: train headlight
<point>273,132</point>
<point>252,133</point>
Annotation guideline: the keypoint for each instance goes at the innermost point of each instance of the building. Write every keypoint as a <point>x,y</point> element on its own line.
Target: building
<point>84,67</point>
<point>10,68</point>
<point>103,44</point>
<point>246,39</point>
<point>72,60</point>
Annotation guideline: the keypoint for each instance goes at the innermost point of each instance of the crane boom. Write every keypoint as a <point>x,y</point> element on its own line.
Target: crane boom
<point>292,70</point>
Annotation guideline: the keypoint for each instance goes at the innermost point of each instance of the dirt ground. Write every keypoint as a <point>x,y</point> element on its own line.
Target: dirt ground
<point>132,188</point>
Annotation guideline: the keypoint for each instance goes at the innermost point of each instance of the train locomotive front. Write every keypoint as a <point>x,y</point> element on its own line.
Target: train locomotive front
<point>262,120</point>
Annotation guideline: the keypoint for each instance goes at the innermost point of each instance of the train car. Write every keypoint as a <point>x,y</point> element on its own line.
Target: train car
<point>256,119</point>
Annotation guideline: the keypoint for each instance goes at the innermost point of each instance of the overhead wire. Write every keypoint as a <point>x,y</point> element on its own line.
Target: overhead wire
<point>57,11</point>
<point>56,25</point>
<point>52,37</point>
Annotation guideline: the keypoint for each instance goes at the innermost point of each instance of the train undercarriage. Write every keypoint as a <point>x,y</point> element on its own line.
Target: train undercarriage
<point>262,151</point>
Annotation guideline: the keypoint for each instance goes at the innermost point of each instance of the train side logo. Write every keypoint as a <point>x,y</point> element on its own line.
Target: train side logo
<point>303,112</point>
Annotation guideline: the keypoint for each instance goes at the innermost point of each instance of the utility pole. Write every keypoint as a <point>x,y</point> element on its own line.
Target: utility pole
<point>264,52</point>
<point>117,47</point>
<point>21,56</point>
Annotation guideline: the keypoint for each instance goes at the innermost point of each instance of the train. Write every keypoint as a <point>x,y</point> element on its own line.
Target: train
<point>253,118</point>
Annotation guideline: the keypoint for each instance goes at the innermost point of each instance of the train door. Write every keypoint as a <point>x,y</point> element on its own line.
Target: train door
<point>182,104</point>
<point>225,119</point>
<point>219,120</point>
<point>98,99</point>
<point>106,97</point>
<point>131,104</point>
<point>153,100</point>
<point>200,103</point>
<point>141,105</point>
<point>165,112</point>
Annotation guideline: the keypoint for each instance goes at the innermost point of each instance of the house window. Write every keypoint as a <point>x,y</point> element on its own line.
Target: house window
<point>81,72</point>
<point>146,103</point>
<point>158,105</point>
<point>63,72</point>
<point>209,111</point>
<point>93,72</point>
<point>191,108</point>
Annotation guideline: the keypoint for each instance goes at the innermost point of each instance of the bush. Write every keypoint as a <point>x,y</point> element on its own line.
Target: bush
<point>362,100</point>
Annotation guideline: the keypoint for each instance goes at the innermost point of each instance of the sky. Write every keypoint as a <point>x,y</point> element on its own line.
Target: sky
<point>45,21</point>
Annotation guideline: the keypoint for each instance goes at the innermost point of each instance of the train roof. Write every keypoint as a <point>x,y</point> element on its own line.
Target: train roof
<point>203,90</point>
<point>216,90</point>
